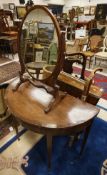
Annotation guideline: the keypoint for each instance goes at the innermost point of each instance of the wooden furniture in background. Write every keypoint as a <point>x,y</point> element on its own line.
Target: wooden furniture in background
<point>74,85</point>
<point>102,55</point>
<point>8,38</point>
<point>4,26</point>
<point>8,45</point>
<point>77,45</point>
<point>8,71</point>
<point>70,59</point>
<point>37,67</point>
<point>92,24</point>
<point>94,43</point>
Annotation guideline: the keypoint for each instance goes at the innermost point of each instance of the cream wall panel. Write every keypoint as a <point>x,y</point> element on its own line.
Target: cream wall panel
<point>43,2</point>
<point>82,3</point>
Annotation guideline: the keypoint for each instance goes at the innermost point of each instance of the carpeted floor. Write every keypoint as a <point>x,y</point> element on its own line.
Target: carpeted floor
<point>4,60</point>
<point>64,159</point>
<point>9,71</point>
<point>99,80</point>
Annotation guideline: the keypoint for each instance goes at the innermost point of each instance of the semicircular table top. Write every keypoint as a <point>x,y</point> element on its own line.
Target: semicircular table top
<point>28,104</point>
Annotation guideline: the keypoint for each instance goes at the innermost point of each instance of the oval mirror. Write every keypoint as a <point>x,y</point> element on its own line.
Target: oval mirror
<point>38,41</point>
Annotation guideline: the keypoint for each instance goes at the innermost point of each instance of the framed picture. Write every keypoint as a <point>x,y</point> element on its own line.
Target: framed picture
<point>92,10</point>
<point>64,15</point>
<point>86,10</point>
<point>45,32</point>
<point>101,12</point>
<point>11,6</point>
<point>81,10</point>
<point>39,55</point>
<point>21,11</point>
<point>76,10</point>
<point>75,7</point>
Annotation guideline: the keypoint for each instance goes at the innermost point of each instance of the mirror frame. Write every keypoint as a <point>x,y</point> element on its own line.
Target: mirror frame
<point>51,80</point>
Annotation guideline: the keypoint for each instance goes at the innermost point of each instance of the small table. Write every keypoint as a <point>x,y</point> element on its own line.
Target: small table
<point>37,66</point>
<point>68,117</point>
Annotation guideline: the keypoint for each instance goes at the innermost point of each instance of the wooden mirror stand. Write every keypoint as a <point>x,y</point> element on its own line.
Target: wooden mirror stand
<point>49,84</point>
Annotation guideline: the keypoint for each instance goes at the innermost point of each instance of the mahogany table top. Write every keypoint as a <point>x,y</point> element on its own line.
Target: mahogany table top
<point>25,105</point>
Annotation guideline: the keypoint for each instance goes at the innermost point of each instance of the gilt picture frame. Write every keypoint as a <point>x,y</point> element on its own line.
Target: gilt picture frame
<point>86,10</point>
<point>81,10</point>
<point>92,10</point>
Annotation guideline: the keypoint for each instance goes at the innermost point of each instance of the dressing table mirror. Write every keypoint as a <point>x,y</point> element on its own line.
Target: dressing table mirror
<point>40,44</point>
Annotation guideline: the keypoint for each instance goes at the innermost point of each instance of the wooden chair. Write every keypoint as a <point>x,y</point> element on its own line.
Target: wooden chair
<point>92,24</point>
<point>8,38</point>
<point>102,56</point>
<point>94,43</point>
<point>28,50</point>
<point>4,26</point>
<point>72,58</point>
<point>77,46</point>
<point>68,68</point>
<point>73,47</point>
<point>5,29</point>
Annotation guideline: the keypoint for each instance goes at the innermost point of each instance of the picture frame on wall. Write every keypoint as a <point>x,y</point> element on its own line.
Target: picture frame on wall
<point>92,10</point>
<point>20,11</point>
<point>11,6</point>
<point>101,12</point>
<point>81,10</point>
<point>75,7</point>
<point>76,10</point>
<point>86,10</point>
<point>39,55</point>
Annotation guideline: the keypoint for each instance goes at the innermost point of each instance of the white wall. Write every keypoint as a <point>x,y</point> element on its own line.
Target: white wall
<point>68,3</point>
<point>42,2</point>
<point>82,3</point>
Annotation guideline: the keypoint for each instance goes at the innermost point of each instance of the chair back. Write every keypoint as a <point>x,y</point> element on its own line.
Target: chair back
<point>72,58</point>
<point>105,44</point>
<point>92,24</point>
<point>4,26</point>
<point>96,31</point>
<point>95,42</point>
<point>77,47</point>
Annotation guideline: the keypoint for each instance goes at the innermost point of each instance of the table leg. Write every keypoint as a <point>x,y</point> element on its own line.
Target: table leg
<point>37,73</point>
<point>86,134</point>
<point>90,59</point>
<point>49,149</point>
<point>15,125</point>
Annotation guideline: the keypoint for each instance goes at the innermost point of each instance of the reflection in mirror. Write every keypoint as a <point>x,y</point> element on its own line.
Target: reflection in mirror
<point>38,42</point>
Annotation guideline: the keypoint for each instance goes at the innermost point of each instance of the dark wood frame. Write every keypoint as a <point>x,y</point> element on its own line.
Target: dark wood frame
<point>23,7</point>
<point>49,84</point>
<point>88,9</point>
<point>58,67</point>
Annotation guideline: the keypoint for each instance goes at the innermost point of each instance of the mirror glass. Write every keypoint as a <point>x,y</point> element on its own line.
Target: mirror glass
<point>38,42</point>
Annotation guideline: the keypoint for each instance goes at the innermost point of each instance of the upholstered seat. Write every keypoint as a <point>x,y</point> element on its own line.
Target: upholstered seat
<point>88,53</point>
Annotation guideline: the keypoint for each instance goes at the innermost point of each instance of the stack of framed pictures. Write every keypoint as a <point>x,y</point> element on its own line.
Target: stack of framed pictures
<point>87,10</point>
<point>101,12</point>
